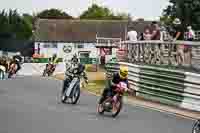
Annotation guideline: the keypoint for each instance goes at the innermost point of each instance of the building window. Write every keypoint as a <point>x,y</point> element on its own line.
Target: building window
<point>80,46</point>
<point>54,45</point>
<point>46,46</point>
<point>85,55</point>
<point>50,45</point>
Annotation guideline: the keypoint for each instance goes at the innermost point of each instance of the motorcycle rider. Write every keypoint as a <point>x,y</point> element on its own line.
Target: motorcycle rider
<point>53,61</point>
<point>118,77</point>
<point>17,59</point>
<point>75,59</point>
<point>69,69</point>
<point>3,62</point>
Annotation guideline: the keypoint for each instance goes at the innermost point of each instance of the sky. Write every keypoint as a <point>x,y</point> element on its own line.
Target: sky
<point>147,9</point>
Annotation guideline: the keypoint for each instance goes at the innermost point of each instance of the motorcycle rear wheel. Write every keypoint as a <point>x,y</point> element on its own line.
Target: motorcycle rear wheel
<point>63,98</point>
<point>76,96</point>
<point>100,109</point>
<point>44,73</point>
<point>10,74</point>
<point>2,76</point>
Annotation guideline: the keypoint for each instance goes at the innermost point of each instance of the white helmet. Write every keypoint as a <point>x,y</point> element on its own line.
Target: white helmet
<point>176,21</point>
<point>18,53</point>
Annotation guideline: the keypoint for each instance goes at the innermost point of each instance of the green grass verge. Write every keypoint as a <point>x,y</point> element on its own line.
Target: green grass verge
<point>95,86</point>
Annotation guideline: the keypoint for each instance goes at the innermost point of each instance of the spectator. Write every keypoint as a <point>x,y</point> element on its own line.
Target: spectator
<point>188,49</point>
<point>178,34</point>
<point>190,34</point>
<point>132,35</point>
<point>141,37</point>
<point>155,35</point>
<point>147,35</point>
<point>163,34</point>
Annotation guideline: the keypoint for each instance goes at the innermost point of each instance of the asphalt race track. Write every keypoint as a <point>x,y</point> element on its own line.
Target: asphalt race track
<point>30,105</point>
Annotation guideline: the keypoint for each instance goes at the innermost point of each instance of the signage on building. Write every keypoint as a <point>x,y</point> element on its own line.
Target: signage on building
<point>67,48</point>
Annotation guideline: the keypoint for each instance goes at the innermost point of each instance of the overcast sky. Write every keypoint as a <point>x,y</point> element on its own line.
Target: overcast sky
<point>148,9</point>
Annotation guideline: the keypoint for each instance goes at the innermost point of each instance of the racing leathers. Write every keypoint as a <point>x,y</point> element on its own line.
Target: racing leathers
<point>69,75</point>
<point>16,60</point>
<point>109,90</point>
<point>53,62</point>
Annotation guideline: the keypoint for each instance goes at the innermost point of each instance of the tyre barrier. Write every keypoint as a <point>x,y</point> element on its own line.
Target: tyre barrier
<point>171,87</point>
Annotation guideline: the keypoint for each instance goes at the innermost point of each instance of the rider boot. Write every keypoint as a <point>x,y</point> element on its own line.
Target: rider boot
<point>104,95</point>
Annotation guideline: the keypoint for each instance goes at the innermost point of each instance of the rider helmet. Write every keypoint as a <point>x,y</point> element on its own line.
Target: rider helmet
<point>54,55</point>
<point>18,53</point>
<point>75,59</point>
<point>123,72</point>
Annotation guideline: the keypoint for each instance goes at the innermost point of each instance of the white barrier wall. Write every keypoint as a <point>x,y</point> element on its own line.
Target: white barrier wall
<point>29,69</point>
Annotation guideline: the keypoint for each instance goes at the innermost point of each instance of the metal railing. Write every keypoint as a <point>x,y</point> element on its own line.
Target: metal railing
<point>178,53</point>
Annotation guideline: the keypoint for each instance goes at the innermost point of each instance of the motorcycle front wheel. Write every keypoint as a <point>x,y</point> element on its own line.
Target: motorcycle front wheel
<point>76,95</point>
<point>118,106</point>
<point>196,127</point>
<point>63,98</point>
<point>2,75</point>
<point>44,73</point>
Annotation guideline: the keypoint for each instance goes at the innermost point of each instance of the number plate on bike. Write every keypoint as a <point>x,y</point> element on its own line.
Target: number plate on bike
<point>71,86</point>
<point>123,85</point>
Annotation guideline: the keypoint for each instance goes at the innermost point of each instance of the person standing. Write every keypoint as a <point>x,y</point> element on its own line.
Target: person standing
<point>178,34</point>
<point>132,35</point>
<point>155,35</point>
<point>188,49</point>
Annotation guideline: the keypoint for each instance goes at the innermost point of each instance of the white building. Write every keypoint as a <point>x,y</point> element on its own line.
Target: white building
<point>67,37</point>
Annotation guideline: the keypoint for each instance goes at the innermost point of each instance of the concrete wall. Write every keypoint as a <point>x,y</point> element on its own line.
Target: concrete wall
<point>35,69</point>
<point>49,48</point>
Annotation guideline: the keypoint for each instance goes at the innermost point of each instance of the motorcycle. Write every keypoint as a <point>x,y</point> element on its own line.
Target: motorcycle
<point>50,68</point>
<point>196,127</point>
<point>2,72</point>
<point>72,90</point>
<point>113,104</point>
<point>12,69</point>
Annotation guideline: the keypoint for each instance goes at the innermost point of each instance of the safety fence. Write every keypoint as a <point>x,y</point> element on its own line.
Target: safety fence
<point>162,53</point>
<point>167,86</point>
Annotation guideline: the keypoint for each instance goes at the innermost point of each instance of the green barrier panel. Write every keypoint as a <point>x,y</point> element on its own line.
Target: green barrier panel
<point>160,83</point>
<point>88,60</point>
<point>44,60</point>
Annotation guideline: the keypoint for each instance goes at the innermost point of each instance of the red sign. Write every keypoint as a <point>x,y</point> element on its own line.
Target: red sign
<point>104,51</point>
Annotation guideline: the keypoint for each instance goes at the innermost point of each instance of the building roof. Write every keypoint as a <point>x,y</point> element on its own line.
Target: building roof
<point>83,30</point>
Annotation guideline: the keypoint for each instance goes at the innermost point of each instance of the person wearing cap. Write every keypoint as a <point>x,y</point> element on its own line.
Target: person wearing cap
<point>178,30</point>
<point>178,34</point>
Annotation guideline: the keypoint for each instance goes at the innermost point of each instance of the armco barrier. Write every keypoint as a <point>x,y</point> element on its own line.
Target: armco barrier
<point>172,87</point>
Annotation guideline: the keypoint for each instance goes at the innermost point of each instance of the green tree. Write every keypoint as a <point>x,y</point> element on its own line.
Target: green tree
<point>13,24</point>
<point>98,12</point>
<point>53,14</point>
<point>188,11</point>
<point>29,19</point>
